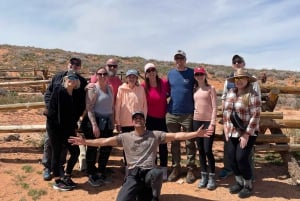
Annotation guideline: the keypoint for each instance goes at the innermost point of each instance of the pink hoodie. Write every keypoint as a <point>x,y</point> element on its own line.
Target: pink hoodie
<point>128,101</point>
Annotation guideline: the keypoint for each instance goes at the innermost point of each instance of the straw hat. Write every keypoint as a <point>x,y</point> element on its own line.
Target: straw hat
<point>242,73</point>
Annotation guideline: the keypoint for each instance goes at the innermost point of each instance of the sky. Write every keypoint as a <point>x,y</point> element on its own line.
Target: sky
<point>265,32</point>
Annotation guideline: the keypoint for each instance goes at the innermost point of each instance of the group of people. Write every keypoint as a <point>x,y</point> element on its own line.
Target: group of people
<point>147,116</point>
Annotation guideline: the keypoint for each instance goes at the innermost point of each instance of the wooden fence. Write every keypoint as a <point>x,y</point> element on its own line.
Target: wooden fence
<point>269,119</point>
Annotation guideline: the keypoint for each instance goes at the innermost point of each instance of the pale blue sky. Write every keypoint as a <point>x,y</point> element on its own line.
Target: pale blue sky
<point>265,32</point>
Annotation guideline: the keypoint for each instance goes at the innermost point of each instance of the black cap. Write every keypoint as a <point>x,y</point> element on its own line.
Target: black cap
<point>75,61</point>
<point>71,74</point>
<point>138,113</point>
<point>235,57</point>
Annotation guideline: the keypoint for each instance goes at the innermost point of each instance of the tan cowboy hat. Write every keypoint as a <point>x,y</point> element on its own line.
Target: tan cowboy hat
<point>242,73</point>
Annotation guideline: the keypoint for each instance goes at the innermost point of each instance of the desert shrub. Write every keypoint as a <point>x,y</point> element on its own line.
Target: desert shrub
<point>13,97</point>
<point>222,74</point>
<point>211,70</point>
<point>281,76</point>
<point>289,100</point>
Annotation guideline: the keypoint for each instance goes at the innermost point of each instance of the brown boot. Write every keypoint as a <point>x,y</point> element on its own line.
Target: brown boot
<point>190,176</point>
<point>174,174</point>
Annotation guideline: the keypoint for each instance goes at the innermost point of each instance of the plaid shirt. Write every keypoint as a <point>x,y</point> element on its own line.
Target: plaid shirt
<point>250,114</point>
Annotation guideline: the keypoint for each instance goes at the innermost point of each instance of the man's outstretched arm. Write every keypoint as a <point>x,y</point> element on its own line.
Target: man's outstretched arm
<point>111,141</point>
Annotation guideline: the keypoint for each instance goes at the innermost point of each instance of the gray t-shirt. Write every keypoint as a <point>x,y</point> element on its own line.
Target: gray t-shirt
<point>140,151</point>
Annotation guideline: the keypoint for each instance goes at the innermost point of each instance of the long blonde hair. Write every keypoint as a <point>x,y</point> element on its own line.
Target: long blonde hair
<point>246,96</point>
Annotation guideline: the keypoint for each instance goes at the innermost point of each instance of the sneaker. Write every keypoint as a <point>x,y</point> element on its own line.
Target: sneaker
<point>68,181</point>
<point>245,192</point>
<point>225,173</point>
<point>105,179</point>
<point>174,174</point>
<point>190,176</point>
<point>47,174</point>
<point>236,188</point>
<point>61,185</point>
<point>95,181</point>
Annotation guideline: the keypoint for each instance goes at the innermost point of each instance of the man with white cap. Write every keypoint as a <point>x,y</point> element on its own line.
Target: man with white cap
<point>180,114</point>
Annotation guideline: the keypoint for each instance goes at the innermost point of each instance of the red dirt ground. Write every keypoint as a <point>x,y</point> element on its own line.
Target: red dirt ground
<point>272,182</point>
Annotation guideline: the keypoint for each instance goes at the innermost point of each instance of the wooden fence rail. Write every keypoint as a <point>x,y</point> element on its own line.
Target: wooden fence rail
<point>281,89</point>
<point>260,142</point>
<point>18,106</point>
<point>37,82</point>
<point>269,118</point>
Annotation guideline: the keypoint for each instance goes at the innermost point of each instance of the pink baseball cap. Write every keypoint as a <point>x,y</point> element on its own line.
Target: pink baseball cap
<point>199,70</point>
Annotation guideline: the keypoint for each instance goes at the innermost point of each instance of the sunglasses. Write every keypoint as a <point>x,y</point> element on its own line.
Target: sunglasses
<point>150,70</point>
<point>199,74</point>
<point>138,117</point>
<point>102,74</point>
<point>73,78</point>
<point>237,62</point>
<point>179,58</point>
<point>239,78</point>
<point>74,63</point>
<point>112,65</point>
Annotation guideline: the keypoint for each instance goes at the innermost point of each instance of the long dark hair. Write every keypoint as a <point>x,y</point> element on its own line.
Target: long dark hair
<point>147,84</point>
<point>196,83</point>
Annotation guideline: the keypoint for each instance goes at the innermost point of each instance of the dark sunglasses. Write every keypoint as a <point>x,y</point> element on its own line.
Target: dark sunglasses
<point>237,62</point>
<point>150,70</point>
<point>239,78</point>
<point>102,74</point>
<point>179,58</point>
<point>75,64</point>
<point>199,74</point>
<point>112,66</point>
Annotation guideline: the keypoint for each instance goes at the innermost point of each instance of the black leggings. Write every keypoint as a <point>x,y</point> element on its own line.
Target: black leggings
<point>59,142</point>
<point>91,152</point>
<point>205,148</point>
<point>239,158</point>
<point>159,124</point>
